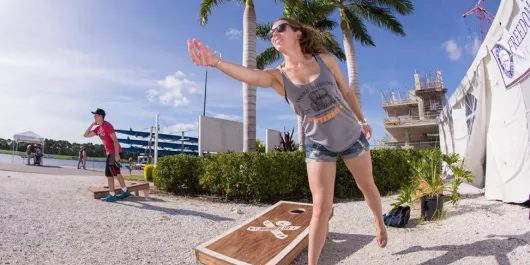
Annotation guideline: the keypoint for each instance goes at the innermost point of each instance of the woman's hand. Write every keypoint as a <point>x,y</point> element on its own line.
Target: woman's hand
<point>203,56</point>
<point>367,130</point>
<point>200,55</point>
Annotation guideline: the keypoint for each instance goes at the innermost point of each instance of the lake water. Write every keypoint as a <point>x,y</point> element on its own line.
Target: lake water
<point>50,161</point>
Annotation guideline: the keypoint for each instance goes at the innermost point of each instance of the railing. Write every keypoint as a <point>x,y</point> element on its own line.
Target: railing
<point>431,85</point>
<point>410,120</point>
<point>398,102</point>
<point>413,145</point>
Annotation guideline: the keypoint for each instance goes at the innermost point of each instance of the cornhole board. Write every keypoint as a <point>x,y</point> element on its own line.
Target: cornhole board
<point>101,192</point>
<point>275,236</point>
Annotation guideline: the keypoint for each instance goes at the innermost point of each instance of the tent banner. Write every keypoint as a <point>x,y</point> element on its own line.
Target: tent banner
<point>512,51</point>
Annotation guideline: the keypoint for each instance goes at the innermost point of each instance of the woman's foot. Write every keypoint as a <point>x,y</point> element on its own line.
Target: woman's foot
<point>382,236</point>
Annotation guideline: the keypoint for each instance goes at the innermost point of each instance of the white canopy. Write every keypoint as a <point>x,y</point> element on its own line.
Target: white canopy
<point>28,137</point>
<point>487,119</point>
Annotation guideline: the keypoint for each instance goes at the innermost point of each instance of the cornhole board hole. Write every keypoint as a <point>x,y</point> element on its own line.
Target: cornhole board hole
<point>101,192</point>
<point>275,236</point>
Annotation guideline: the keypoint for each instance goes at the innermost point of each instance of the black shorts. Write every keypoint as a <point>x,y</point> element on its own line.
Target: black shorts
<point>111,169</point>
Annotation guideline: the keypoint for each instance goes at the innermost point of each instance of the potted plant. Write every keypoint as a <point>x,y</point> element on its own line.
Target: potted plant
<point>428,183</point>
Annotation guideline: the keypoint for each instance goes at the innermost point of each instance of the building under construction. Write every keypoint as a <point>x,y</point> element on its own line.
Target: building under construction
<point>411,116</point>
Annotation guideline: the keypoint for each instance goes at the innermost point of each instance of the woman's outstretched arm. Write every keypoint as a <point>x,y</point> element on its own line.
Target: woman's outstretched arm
<point>203,56</point>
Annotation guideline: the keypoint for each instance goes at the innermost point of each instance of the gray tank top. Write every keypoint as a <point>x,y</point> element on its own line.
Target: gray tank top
<point>326,116</point>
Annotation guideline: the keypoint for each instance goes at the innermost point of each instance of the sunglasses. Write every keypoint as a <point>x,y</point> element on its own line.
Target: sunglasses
<point>279,28</point>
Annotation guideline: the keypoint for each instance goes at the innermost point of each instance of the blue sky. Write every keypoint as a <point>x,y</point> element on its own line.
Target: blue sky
<point>61,59</point>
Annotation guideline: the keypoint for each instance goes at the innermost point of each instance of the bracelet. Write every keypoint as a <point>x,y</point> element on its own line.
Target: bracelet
<point>364,122</point>
<point>215,64</point>
<point>220,58</point>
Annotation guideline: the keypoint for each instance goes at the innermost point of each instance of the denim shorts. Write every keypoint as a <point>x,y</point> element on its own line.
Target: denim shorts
<point>317,153</point>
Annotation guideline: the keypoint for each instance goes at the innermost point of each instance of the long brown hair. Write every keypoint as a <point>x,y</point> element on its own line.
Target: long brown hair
<point>311,40</point>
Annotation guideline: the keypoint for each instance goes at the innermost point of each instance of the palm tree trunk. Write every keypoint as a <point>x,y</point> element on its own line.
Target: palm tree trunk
<point>249,92</point>
<point>301,134</point>
<point>351,62</point>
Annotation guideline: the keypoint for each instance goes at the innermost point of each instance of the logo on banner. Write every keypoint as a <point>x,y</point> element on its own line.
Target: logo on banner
<point>275,229</point>
<point>512,51</point>
<point>504,59</point>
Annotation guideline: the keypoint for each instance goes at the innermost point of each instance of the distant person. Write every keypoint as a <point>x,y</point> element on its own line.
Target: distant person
<point>80,162</point>
<point>106,133</point>
<point>83,155</point>
<point>28,153</point>
<point>38,155</point>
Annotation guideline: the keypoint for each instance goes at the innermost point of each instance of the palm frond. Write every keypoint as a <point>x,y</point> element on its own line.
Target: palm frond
<point>208,5</point>
<point>267,57</point>
<point>351,22</point>
<point>325,24</point>
<point>262,29</point>
<point>379,16</point>
<point>403,7</point>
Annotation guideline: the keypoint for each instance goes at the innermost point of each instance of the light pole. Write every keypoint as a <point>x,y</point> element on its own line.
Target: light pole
<point>156,139</point>
<point>206,84</point>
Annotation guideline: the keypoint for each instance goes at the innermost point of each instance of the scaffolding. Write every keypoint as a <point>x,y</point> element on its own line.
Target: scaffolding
<point>412,115</point>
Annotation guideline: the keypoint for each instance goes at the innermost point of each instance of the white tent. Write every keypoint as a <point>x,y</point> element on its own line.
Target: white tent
<point>486,120</point>
<point>27,137</point>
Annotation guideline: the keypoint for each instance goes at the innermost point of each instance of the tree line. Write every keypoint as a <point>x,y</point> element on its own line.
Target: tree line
<point>62,147</point>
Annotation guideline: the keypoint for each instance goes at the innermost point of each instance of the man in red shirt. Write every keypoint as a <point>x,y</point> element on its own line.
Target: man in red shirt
<point>106,133</point>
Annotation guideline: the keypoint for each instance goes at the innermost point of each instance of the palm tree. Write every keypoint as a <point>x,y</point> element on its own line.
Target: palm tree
<point>315,14</point>
<point>249,60</point>
<point>378,12</point>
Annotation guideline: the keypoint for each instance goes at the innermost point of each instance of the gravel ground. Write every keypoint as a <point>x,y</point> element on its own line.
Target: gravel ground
<point>51,219</point>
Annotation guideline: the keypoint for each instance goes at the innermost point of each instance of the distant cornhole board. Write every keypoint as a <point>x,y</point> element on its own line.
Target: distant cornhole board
<point>275,236</point>
<point>101,192</point>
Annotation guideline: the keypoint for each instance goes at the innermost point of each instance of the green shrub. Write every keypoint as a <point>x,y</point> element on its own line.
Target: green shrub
<point>255,176</point>
<point>273,176</point>
<point>178,174</point>
<point>391,168</point>
<point>148,172</point>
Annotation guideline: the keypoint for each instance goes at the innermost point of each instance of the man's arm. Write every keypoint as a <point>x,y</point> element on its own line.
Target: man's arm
<point>116,146</point>
<point>89,132</point>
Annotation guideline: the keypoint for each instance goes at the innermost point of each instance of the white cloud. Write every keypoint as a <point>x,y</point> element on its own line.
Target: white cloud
<point>233,34</point>
<point>453,50</point>
<point>188,128</point>
<point>170,90</point>
<point>227,117</point>
<point>194,90</point>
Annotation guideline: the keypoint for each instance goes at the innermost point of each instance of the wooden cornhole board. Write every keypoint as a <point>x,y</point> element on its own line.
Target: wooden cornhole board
<point>101,192</point>
<point>275,236</point>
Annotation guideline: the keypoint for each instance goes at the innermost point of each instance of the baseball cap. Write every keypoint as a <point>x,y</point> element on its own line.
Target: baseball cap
<point>99,112</point>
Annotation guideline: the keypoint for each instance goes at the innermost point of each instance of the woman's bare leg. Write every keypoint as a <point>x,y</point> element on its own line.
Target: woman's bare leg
<point>361,169</point>
<point>322,183</point>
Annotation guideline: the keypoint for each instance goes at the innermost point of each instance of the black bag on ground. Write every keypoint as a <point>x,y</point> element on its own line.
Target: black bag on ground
<point>397,217</point>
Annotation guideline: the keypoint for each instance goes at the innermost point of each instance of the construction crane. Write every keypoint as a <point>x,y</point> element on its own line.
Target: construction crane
<point>484,17</point>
